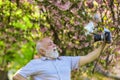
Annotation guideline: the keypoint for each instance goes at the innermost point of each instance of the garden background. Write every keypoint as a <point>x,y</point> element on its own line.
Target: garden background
<point>24,22</point>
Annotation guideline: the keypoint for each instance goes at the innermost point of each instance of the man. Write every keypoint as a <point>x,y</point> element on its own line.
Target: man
<point>51,66</point>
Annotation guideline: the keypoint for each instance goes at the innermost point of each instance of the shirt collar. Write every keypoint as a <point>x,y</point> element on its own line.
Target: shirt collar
<point>45,58</point>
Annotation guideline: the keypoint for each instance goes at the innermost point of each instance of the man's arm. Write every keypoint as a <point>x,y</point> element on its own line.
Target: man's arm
<point>18,77</point>
<point>92,55</point>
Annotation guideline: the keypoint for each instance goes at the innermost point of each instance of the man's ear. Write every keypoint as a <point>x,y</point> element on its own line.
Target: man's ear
<point>42,51</point>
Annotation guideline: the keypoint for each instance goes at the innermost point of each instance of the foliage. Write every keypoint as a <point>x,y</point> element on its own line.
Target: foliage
<point>23,23</point>
<point>18,26</point>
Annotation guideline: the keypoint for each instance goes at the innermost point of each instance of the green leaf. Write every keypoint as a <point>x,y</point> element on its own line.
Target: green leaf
<point>18,12</point>
<point>2,43</point>
<point>19,25</point>
<point>27,22</point>
<point>1,2</point>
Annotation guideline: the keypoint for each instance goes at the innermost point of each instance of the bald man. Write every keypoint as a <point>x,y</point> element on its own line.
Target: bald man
<point>51,66</point>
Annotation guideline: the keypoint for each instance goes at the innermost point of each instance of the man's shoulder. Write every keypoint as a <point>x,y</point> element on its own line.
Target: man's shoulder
<point>34,61</point>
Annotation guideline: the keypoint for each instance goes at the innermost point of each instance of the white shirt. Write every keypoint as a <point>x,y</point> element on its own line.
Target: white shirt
<point>46,69</point>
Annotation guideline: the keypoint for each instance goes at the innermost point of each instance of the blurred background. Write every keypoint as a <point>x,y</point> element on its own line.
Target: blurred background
<point>69,23</point>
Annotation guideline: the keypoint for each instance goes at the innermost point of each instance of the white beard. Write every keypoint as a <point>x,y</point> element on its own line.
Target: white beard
<point>52,54</point>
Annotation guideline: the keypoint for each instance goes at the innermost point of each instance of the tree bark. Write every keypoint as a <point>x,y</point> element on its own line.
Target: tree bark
<point>3,75</point>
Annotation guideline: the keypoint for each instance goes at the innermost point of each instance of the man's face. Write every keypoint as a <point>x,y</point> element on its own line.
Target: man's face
<point>48,44</point>
<point>50,48</point>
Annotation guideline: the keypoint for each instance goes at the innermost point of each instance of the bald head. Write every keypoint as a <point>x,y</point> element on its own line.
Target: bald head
<point>46,40</point>
<point>45,43</point>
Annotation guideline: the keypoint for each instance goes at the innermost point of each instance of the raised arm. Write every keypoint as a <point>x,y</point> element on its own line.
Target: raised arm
<point>92,55</point>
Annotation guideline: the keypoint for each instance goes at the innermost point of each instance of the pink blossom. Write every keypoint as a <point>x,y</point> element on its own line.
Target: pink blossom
<point>101,10</point>
<point>63,7</point>
<point>54,11</point>
<point>74,11</point>
<point>76,46</point>
<point>82,37</point>
<point>108,2</point>
<point>58,25</point>
<point>90,4</point>
<point>118,1</point>
<point>78,16</point>
<point>58,2</point>
<point>51,1</point>
<point>44,29</point>
<point>13,0</point>
<point>70,45</point>
<point>32,1</point>
<point>51,33</point>
<point>75,37</point>
<point>66,18</point>
<point>86,44</point>
<point>80,4</point>
<point>76,23</point>
<point>99,1</point>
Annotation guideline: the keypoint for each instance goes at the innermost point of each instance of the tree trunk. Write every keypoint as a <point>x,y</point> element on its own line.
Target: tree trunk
<point>3,75</point>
